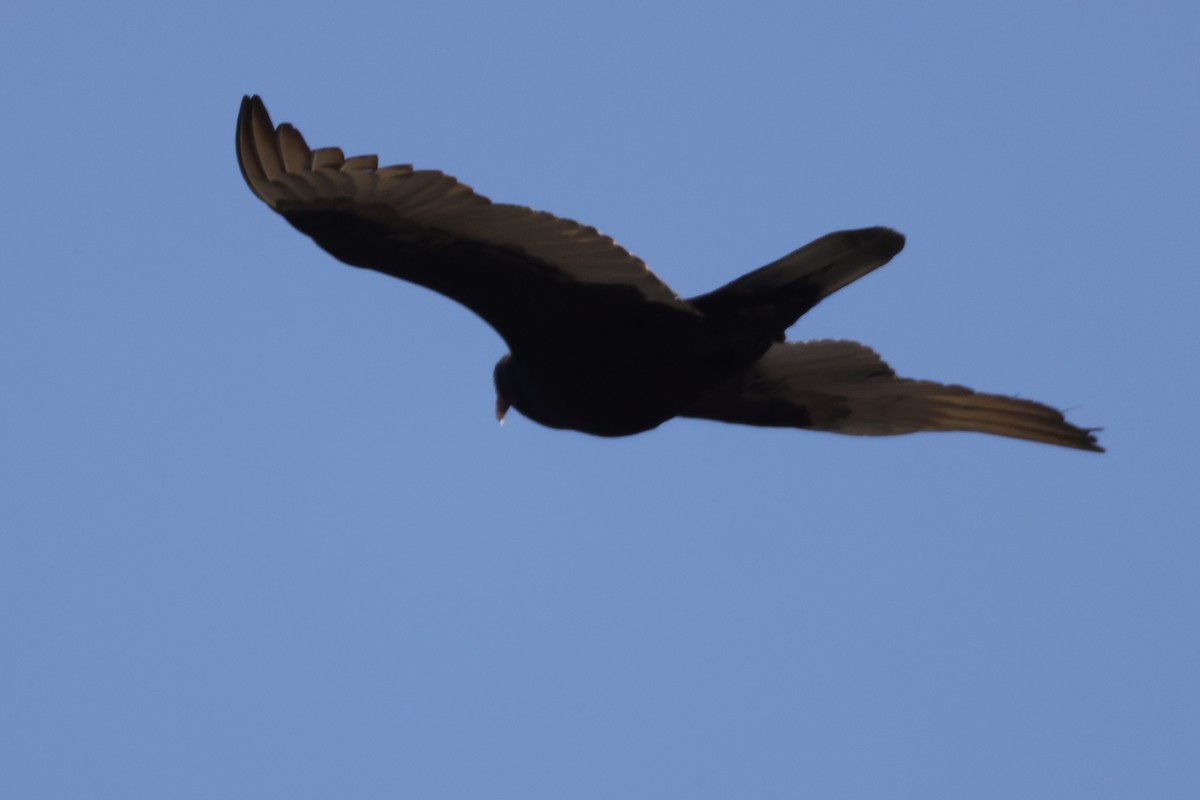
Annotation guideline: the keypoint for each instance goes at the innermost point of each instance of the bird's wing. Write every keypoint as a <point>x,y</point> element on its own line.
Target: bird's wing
<point>525,272</point>
<point>844,387</point>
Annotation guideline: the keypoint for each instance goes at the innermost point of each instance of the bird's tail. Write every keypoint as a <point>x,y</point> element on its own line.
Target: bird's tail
<point>776,295</point>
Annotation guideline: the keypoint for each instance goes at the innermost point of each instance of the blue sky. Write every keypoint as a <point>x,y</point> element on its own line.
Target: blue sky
<point>260,535</point>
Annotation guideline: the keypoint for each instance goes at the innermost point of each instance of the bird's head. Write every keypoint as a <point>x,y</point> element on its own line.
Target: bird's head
<point>503,388</point>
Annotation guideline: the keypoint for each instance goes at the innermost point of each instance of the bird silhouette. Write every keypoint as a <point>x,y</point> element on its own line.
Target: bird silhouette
<point>599,344</point>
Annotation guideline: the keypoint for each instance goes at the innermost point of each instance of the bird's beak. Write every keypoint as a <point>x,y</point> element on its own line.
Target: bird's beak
<point>502,406</point>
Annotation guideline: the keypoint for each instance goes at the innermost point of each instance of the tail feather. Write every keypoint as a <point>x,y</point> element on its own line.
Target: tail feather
<point>787,288</point>
<point>844,387</point>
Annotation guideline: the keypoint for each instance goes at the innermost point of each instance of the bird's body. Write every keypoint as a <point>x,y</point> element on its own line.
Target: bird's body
<point>597,342</point>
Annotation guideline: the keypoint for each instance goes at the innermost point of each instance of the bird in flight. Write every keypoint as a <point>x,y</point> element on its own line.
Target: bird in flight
<point>597,343</point>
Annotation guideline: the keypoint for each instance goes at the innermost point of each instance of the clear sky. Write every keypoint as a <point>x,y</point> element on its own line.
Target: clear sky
<point>261,536</point>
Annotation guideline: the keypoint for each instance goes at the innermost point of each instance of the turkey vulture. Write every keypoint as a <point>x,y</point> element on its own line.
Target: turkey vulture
<point>597,342</point>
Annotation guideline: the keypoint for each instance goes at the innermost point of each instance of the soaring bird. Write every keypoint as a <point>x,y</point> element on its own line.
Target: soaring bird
<point>597,343</point>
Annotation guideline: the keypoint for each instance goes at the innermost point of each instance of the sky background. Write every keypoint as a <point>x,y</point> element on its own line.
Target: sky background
<point>261,536</point>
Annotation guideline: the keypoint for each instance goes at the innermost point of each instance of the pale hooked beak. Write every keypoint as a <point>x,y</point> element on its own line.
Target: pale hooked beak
<point>500,379</point>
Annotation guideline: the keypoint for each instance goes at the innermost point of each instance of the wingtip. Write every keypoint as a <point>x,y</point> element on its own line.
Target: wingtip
<point>257,152</point>
<point>1092,443</point>
<point>1065,434</point>
<point>251,105</point>
<point>244,141</point>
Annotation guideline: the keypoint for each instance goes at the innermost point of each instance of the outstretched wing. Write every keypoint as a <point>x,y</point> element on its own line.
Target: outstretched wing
<point>844,387</point>
<point>527,273</point>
